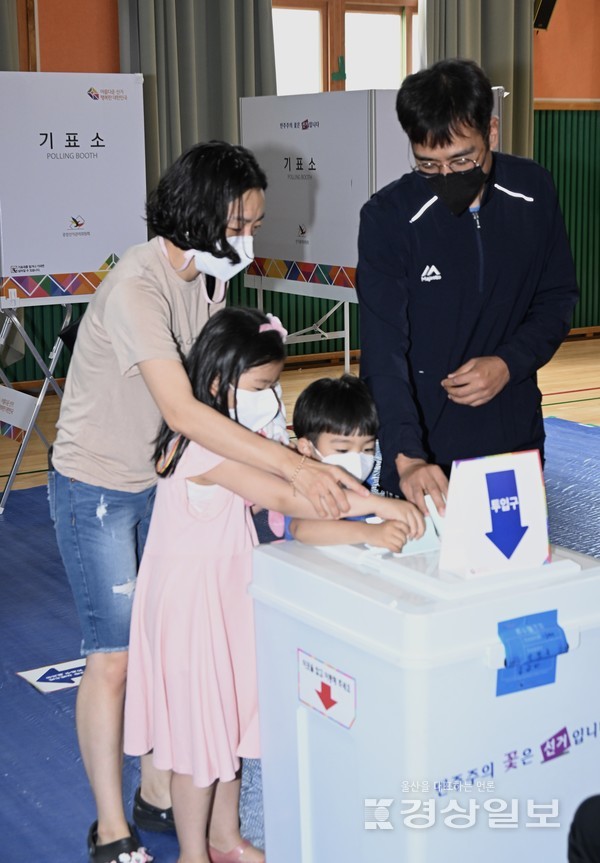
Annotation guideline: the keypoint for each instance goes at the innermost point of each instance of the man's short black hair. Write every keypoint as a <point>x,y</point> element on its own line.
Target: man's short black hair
<point>341,406</point>
<point>433,104</point>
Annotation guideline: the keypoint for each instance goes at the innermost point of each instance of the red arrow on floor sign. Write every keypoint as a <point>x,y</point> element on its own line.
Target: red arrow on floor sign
<point>325,696</point>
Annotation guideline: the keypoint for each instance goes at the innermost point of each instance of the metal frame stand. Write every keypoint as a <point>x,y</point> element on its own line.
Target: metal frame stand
<point>341,297</point>
<point>11,319</point>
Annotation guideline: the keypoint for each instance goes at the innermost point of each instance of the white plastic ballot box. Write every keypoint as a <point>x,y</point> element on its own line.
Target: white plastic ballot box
<point>409,715</point>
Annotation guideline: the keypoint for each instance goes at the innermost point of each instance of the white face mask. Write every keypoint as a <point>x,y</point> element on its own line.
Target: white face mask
<point>359,464</point>
<point>255,409</point>
<point>222,268</point>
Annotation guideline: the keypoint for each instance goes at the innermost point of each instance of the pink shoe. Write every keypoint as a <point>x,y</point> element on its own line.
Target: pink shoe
<point>236,855</point>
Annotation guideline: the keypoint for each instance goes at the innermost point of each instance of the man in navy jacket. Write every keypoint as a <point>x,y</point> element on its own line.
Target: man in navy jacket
<point>466,287</point>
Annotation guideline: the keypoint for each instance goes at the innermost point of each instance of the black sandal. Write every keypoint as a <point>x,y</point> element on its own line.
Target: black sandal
<point>126,850</point>
<point>152,818</point>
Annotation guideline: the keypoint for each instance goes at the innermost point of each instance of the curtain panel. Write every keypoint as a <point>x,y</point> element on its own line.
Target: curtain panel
<point>198,57</point>
<point>9,36</point>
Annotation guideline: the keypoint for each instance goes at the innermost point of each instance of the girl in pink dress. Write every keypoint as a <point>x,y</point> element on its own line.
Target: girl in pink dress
<point>191,688</point>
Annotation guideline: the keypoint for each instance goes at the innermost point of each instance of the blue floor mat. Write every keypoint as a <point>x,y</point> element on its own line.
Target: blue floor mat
<point>572,475</point>
<point>47,806</point>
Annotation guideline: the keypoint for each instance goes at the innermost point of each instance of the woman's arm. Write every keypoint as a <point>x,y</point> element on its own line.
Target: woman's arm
<point>262,488</point>
<point>275,493</point>
<point>171,390</point>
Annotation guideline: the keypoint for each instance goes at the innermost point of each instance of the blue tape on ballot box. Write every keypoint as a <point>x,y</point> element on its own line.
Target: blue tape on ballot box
<point>532,644</point>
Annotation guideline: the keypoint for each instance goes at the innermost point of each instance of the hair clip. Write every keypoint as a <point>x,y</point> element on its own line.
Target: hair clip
<point>274,324</point>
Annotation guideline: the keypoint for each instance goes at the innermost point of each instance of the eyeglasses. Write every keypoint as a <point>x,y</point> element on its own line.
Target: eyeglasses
<point>460,165</point>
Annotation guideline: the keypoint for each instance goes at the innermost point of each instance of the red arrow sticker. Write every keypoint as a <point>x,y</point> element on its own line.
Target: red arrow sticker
<point>326,689</point>
<point>325,696</point>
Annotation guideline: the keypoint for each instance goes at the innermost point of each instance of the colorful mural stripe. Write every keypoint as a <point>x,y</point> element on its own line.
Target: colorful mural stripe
<point>57,284</point>
<point>303,271</point>
<point>11,432</point>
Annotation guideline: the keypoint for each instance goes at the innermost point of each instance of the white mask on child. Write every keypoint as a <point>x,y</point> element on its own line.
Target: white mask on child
<point>255,409</point>
<point>223,268</point>
<point>359,464</point>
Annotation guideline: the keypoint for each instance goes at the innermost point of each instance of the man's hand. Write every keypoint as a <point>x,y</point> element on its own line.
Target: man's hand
<point>418,478</point>
<point>477,381</point>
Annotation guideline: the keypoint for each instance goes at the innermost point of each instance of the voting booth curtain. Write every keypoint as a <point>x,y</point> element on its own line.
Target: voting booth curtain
<point>9,37</point>
<point>198,58</point>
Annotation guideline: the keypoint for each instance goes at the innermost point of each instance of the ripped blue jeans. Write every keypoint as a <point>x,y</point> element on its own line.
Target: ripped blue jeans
<point>101,535</point>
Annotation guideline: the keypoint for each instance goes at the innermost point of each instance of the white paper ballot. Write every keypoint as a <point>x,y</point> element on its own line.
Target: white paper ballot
<point>436,518</point>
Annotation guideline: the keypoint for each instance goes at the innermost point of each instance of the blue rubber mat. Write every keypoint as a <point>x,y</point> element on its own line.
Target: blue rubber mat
<point>572,475</point>
<point>46,806</point>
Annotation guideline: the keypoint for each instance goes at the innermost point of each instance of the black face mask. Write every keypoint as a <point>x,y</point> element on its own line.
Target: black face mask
<point>457,191</point>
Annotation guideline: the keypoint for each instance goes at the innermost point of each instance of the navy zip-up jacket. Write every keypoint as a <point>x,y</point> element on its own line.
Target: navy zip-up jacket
<point>436,290</point>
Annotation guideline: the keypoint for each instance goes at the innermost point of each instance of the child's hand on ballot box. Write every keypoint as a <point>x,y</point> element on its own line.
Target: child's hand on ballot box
<point>391,535</point>
<point>391,509</point>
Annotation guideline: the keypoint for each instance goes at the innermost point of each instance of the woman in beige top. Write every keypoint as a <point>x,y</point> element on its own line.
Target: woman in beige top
<point>125,374</point>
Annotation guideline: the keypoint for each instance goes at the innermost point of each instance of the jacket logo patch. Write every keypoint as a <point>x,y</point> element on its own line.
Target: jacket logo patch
<point>430,274</point>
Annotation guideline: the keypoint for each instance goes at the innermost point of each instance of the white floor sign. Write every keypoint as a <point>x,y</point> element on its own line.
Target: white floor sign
<point>51,678</point>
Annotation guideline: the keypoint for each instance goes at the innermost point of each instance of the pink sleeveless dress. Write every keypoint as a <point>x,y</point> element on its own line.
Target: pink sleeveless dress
<point>191,680</point>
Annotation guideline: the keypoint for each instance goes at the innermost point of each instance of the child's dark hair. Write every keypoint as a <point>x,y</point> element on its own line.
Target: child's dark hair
<point>341,406</point>
<point>229,344</point>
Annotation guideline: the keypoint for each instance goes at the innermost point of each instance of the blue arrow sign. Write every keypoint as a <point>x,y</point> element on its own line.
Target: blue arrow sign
<point>64,675</point>
<point>507,530</point>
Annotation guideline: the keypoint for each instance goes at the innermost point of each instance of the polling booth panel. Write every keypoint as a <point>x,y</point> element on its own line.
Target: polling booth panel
<point>71,202</point>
